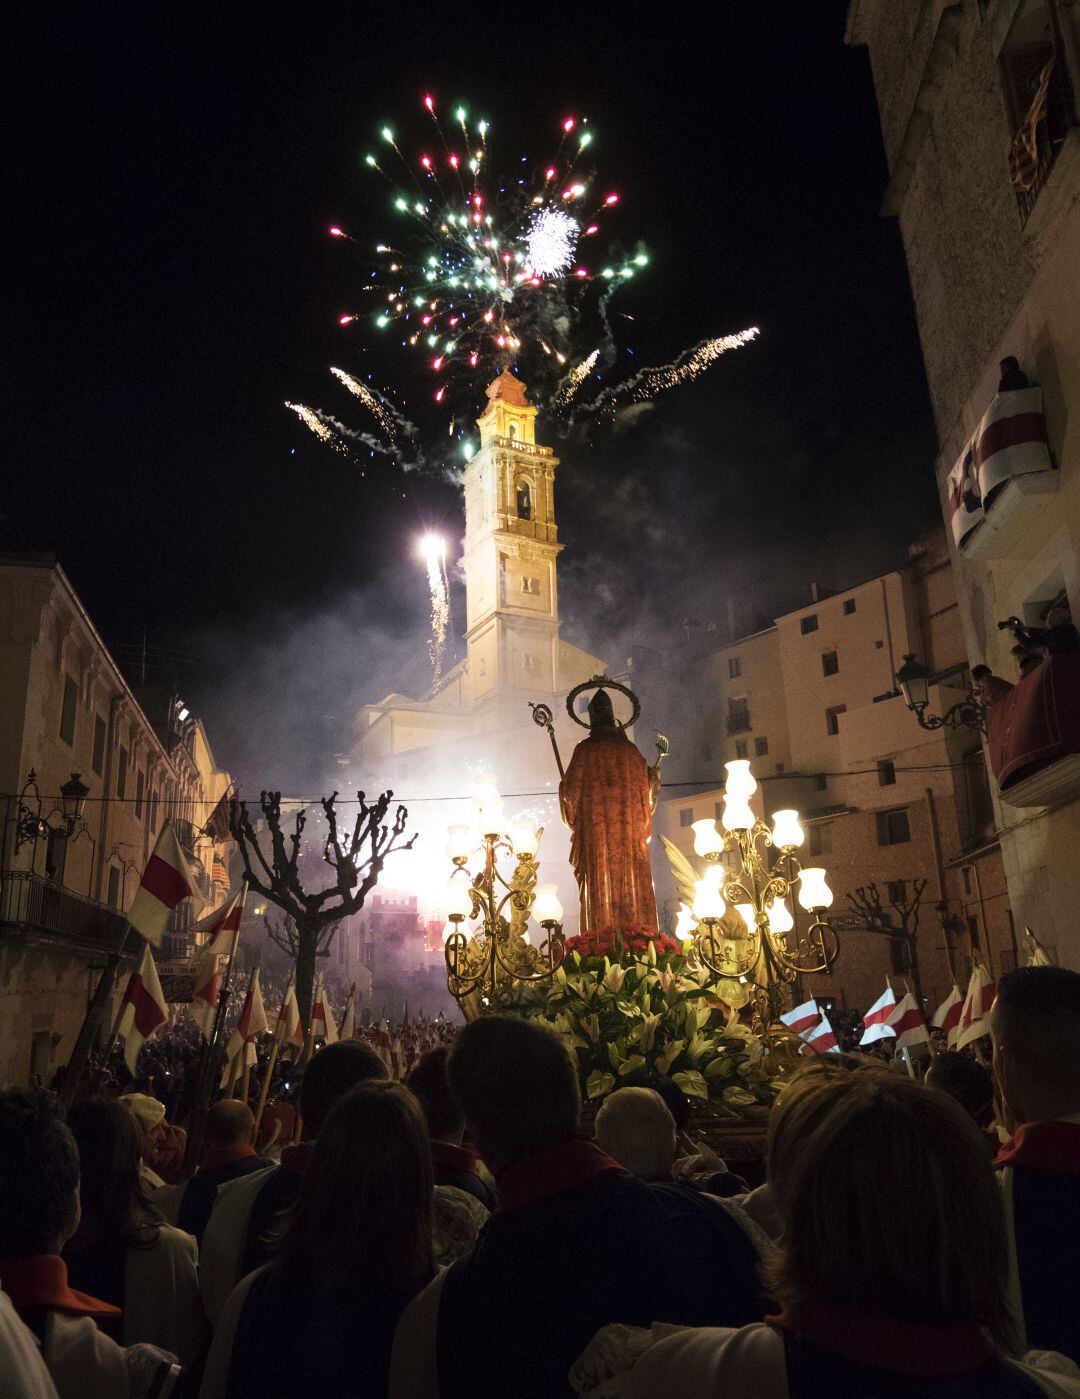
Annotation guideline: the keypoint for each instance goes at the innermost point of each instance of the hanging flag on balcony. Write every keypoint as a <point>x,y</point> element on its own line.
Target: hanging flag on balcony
<point>143,1009</point>
<point>217,828</point>
<point>1024,150</point>
<point>166,881</point>
<point>1009,442</point>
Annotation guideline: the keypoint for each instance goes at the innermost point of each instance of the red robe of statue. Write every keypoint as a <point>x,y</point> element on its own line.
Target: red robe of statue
<point>605,802</point>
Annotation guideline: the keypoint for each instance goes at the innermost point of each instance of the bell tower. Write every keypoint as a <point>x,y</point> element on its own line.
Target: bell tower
<point>511,544</point>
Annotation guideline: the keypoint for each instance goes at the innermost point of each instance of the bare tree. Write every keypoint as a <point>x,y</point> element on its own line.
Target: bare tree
<point>356,857</point>
<point>897,920</point>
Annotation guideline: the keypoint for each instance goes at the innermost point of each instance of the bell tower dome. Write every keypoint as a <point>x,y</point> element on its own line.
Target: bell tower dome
<point>511,544</point>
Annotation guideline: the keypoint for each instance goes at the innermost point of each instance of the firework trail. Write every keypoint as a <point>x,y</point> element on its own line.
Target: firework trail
<point>433,552</point>
<point>574,380</point>
<point>647,384</point>
<point>394,424</point>
<point>314,421</point>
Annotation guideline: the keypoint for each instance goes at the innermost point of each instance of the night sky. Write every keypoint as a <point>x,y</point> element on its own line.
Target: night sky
<point>173,176</point>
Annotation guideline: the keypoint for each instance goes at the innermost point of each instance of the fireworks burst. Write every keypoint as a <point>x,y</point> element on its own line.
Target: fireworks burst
<point>647,384</point>
<point>389,419</point>
<point>574,380</point>
<point>487,266</point>
<point>433,552</point>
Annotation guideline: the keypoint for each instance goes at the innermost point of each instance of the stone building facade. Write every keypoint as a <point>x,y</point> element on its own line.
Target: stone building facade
<point>812,702</point>
<point>66,708</point>
<point>979,118</point>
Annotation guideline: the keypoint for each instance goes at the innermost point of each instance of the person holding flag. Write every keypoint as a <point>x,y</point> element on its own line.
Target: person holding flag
<point>947,1016</point>
<point>221,930</point>
<point>975,1017</point>
<point>322,1017</point>
<point>143,1009</point>
<point>876,1020</point>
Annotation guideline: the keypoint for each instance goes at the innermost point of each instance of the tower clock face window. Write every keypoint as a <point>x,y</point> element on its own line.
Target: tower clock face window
<point>531,585</point>
<point>524,501</point>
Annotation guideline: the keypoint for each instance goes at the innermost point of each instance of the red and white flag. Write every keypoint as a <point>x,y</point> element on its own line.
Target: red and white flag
<point>288,1029</point>
<point>876,1020</point>
<point>974,1018</point>
<point>821,1039</point>
<point>322,1017</point>
<point>220,929</point>
<point>252,1022</point>
<point>143,1009</point>
<point>908,1025</point>
<point>947,1015</point>
<point>166,881</point>
<point>384,1047</point>
<point>1037,954</point>
<point>802,1018</point>
<point>1010,441</point>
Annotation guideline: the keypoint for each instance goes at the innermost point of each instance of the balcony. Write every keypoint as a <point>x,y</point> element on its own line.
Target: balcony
<point>31,903</point>
<point>1033,734</point>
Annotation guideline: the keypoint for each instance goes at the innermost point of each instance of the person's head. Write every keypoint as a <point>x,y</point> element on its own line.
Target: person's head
<point>601,712</point>
<point>964,1079</point>
<point>636,1129</point>
<point>229,1122</point>
<point>149,1115</point>
<point>516,1085</point>
<point>107,1136</point>
<point>330,1075</point>
<point>678,1104</point>
<point>1035,1030</point>
<point>365,1207</point>
<point>780,1142</point>
<point>39,1176</point>
<point>427,1080</point>
<point>891,1205</point>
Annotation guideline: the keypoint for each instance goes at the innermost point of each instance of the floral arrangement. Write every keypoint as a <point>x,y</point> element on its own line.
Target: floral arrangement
<point>632,999</point>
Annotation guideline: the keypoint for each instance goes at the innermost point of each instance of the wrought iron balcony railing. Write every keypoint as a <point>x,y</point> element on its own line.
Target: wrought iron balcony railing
<point>29,901</point>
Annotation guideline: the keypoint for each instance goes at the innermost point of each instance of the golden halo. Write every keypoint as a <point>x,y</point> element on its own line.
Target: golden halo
<point>601,682</point>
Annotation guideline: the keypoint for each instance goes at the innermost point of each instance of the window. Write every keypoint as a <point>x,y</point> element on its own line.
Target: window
<point>153,812</point>
<point>809,624</point>
<point>686,816</point>
<point>878,645</point>
<point>121,774</point>
<point>140,791</point>
<point>56,855</point>
<point>742,748</point>
<point>524,501</point>
<point>67,711</point>
<point>830,663</point>
<point>819,839</point>
<point>821,781</point>
<point>898,956</point>
<point>779,769</point>
<point>886,772</point>
<point>530,585</point>
<point>1039,92</point>
<point>513,431</point>
<point>832,718</point>
<point>528,662</point>
<point>973,930</point>
<point>738,715</point>
<point>893,827</point>
<point>97,762</point>
<point>966,872</point>
<point>849,606</point>
<point>734,668</point>
<point>897,890</point>
<point>761,747</point>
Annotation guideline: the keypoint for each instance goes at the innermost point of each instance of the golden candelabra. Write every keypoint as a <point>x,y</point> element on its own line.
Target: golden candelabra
<point>484,966</point>
<point>772,952</point>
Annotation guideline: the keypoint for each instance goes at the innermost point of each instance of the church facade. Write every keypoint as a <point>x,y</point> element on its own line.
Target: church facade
<point>478,718</point>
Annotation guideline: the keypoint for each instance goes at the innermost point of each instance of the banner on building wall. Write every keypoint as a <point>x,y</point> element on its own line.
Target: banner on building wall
<point>1010,441</point>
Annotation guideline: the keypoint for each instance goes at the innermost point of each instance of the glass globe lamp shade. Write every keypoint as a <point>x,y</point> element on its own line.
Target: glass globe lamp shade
<point>457,902</point>
<point>488,805</point>
<point>524,837</point>
<point>685,923</point>
<point>459,842</point>
<point>740,780</point>
<point>546,906</point>
<point>787,831</point>
<point>707,839</point>
<point>814,893</point>
<point>736,815</point>
<point>748,915</point>
<point>780,919</point>
<point>708,901</point>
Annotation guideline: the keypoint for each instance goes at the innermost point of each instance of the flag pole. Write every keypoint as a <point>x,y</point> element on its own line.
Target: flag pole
<point>211,1054</point>
<point>272,1061</point>
<point>93,1022</point>
<point>239,1064</point>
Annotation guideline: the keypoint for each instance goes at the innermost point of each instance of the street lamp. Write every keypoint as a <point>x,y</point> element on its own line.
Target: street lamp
<point>740,875</point>
<point>497,956</point>
<point>914,679</point>
<point>31,826</point>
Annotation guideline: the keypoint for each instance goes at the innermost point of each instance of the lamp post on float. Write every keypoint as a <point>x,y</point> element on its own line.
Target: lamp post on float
<point>762,892</point>
<point>496,956</point>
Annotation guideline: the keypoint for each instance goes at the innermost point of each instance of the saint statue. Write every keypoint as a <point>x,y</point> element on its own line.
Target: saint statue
<point>607,798</point>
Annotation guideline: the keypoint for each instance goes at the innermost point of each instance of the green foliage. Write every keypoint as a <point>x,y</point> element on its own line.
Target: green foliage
<point>626,1013</point>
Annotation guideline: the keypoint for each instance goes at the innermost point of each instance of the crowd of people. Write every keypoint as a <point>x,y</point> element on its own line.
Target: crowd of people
<point>457,1233</point>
